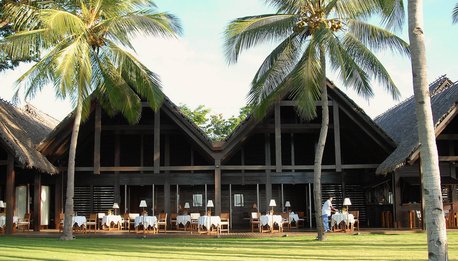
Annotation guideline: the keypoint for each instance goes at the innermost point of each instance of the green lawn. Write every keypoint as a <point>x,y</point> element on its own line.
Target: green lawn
<point>337,247</point>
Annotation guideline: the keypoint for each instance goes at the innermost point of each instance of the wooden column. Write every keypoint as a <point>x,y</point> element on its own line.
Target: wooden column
<point>242,161</point>
<point>117,161</point>
<point>293,156</point>
<point>217,187</point>
<point>10,178</point>
<point>268,171</point>
<point>97,133</point>
<point>37,203</point>
<point>166,181</point>
<point>157,141</point>
<point>337,148</point>
<point>58,200</point>
<point>278,161</point>
<point>397,200</point>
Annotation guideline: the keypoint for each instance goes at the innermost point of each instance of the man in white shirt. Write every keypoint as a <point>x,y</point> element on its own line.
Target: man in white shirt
<point>326,213</point>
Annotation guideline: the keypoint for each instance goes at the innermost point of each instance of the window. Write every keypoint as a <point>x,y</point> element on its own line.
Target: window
<point>238,200</point>
<point>197,200</point>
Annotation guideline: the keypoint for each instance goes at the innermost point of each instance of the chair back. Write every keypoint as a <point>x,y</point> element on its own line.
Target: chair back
<point>162,216</point>
<point>284,216</point>
<point>126,216</point>
<point>27,217</point>
<point>301,214</point>
<point>195,216</point>
<point>355,213</point>
<point>92,217</point>
<point>173,216</point>
<point>100,215</point>
<point>132,216</point>
<point>224,216</point>
<point>61,216</point>
<point>254,215</point>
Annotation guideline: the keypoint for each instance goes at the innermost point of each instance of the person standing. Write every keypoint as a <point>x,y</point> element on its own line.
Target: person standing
<point>326,213</point>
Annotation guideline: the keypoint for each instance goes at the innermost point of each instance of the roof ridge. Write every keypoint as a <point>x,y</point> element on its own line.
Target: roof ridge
<point>439,79</point>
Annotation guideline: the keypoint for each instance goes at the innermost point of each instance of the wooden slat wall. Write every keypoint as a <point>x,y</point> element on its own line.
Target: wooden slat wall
<point>103,198</point>
<point>82,201</point>
<point>358,201</point>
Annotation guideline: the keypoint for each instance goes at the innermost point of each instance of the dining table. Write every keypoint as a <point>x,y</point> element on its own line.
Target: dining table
<point>184,220</point>
<point>270,221</point>
<point>340,217</point>
<point>207,224</point>
<point>112,221</point>
<point>3,220</point>
<point>149,222</point>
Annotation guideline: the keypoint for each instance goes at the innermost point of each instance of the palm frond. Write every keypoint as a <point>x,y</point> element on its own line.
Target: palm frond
<point>355,9</point>
<point>119,94</point>
<point>286,6</point>
<point>62,22</point>
<point>276,67</point>
<point>121,29</point>
<point>393,13</point>
<point>369,63</point>
<point>244,33</point>
<point>22,16</point>
<point>377,38</point>
<point>26,44</point>
<point>455,14</point>
<point>352,75</point>
<point>145,82</point>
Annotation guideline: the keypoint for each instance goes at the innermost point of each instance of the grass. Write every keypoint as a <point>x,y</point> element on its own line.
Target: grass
<point>410,246</point>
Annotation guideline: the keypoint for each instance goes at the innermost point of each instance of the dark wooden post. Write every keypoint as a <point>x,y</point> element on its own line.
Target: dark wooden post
<point>268,171</point>
<point>58,200</point>
<point>278,161</point>
<point>117,162</point>
<point>166,181</point>
<point>37,203</point>
<point>217,187</point>
<point>10,178</point>
<point>337,149</point>
<point>157,141</point>
<point>397,202</point>
<point>97,133</point>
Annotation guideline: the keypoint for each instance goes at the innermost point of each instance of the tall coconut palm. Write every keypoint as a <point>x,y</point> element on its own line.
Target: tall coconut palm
<point>430,172</point>
<point>314,35</point>
<point>86,53</point>
<point>455,14</point>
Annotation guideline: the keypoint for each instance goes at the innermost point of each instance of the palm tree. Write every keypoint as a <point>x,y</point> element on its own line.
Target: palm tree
<point>85,53</point>
<point>430,172</point>
<point>455,14</point>
<point>313,33</point>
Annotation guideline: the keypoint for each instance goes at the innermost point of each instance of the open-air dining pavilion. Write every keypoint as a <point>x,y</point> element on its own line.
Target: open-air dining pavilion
<point>164,173</point>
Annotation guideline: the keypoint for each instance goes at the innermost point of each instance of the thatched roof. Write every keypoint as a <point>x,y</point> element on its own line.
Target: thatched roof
<point>21,129</point>
<point>400,122</point>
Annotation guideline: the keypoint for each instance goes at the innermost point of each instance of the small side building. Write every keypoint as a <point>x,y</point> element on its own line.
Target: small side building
<point>404,163</point>
<point>24,171</point>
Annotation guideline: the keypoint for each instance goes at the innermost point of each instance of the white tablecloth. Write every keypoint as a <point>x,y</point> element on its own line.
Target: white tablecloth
<point>183,219</point>
<point>106,220</point>
<point>209,221</point>
<point>270,220</point>
<point>293,217</point>
<point>150,221</point>
<point>79,220</point>
<point>337,218</point>
<point>3,220</point>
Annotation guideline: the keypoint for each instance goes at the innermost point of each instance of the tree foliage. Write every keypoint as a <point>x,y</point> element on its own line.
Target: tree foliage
<point>215,126</point>
<point>455,14</point>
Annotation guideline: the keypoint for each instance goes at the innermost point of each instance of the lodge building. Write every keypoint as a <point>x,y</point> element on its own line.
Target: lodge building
<point>167,160</point>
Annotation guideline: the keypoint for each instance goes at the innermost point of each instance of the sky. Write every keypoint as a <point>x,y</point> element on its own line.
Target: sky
<point>194,71</point>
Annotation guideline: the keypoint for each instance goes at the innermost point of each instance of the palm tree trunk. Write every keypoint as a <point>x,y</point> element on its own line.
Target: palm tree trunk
<point>320,150</point>
<point>68,224</point>
<point>434,213</point>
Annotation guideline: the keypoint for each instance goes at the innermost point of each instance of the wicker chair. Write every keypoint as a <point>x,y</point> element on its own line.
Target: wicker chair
<point>355,214</point>
<point>284,221</point>
<point>173,220</point>
<point>195,221</point>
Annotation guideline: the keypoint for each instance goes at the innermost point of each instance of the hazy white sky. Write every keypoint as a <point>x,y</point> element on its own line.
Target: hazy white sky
<point>194,71</point>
